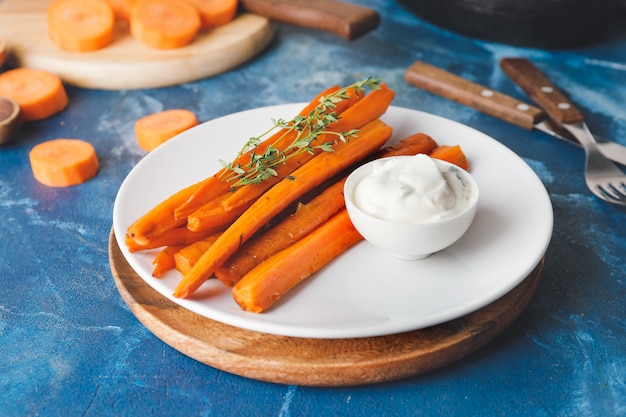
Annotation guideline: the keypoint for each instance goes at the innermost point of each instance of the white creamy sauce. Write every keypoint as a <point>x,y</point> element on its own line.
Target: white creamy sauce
<point>412,190</point>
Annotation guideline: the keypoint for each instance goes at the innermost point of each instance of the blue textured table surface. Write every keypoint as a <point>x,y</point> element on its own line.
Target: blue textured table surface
<point>70,346</point>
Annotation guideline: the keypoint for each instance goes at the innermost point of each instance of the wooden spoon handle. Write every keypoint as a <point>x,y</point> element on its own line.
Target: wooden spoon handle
<point>344,19</point>
<point>541,90</point>
<point>453,87</point>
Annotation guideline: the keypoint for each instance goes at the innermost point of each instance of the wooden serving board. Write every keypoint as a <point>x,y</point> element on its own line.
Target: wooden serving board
<point>127,63</point>
<point>315,362</point>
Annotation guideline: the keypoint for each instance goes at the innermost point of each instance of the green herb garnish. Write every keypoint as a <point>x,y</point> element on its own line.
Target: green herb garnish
<point>263,165</point>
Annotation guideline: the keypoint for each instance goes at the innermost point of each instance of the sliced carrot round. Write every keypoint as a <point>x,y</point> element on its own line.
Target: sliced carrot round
<point>157,128</point>
<point>81,25</point>
<point>164,24</point>
<point>215,13</point>
<point>39,93</point>
<point>63,162</point>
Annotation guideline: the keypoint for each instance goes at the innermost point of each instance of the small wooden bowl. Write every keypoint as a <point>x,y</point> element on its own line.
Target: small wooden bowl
<point>10,119</point>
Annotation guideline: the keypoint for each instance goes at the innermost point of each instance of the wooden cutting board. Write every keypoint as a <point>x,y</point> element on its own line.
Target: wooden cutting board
<point>127,63</point>
<point>315,362</point>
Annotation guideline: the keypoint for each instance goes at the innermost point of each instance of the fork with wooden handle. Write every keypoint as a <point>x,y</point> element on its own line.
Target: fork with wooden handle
<point>603,177</point>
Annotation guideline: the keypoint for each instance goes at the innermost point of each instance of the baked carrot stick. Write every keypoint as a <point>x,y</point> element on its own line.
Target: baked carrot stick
<point>212,216</point>
<point>266,283</point>
<point>451,153</point>
<point>81,25</point>
<point>157,128</point>
<point>164,24</point>
<point>39,93</point>
<point>307,217</point>
<point>164,260</point>
<point>321,168</point>
<point>172,237</point>
<point>63,162</point>
<point>160,218</point>
<point>187,257</point>
<point>370,107</point>
<point>213,187</point>
<point>214,13</point>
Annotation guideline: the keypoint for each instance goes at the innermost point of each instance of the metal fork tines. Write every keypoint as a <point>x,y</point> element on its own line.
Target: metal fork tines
<point>603,177</point>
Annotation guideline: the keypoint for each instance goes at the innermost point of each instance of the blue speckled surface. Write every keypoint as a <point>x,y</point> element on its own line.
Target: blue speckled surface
<point>70,346</point>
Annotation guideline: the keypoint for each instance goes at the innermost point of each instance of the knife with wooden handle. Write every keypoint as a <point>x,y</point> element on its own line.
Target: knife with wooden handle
<point>461,90</point>
<point>347,20</point>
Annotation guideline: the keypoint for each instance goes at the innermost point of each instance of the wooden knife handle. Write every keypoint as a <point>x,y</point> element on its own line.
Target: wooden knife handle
<point>541,90</point>
<point>448,85</point>
<point>344,19</point>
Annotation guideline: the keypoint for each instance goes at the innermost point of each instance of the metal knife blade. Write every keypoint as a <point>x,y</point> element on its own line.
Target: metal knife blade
<point>461,90</point>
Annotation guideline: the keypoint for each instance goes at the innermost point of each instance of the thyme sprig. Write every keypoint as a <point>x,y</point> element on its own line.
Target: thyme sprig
<point>263,165</point>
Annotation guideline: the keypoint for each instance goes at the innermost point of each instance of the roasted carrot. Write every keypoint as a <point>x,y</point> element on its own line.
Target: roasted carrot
<point>39,93</point>
<point>81,25</point>
<point>212,216</point>
<point>214,13</point>
<point>164,260</point>
<point>157,128</point>
<point>160,219</point>
<point>187,257</point>
<point>306,218</point>
<point>266,283</point>
<point>172,237</point>
<point>369,108</point>
<point>451,153</point>
<point>164,24</point>
<point>377,101</point>
<point>321,168</point>
<point>213,187</point>
<point>63,162</point>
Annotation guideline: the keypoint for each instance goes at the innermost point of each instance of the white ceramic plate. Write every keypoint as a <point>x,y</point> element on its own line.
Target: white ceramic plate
<point>364,292</point>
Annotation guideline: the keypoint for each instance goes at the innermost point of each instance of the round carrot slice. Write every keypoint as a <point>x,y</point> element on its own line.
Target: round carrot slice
<point>81,25</point>
<point>39,93</point>
<point>164,24</point>
<point>215,13</point>
<point>157,128</point>
<point>63,162</point>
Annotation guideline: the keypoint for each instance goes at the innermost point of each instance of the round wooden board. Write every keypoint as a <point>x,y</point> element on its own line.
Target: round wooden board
<point>127,63</point>
<point>315,362</point>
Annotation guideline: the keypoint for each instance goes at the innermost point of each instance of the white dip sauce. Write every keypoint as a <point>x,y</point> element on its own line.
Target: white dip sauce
<point>412,190</point>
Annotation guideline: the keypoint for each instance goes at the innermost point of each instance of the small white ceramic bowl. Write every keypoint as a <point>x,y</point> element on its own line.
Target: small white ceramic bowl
<point>410,241</point>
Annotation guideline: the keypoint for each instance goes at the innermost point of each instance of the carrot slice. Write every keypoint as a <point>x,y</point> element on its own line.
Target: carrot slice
<point>276,199</point>
<point>63,162</point>
<point>265,284</point>
<point>164,24</point>
<point>156,129</point>
<point>451,153</point>
<point>39,93</point>
<point>121,8</point>
<point>215,13</point>
<point>81,25</point>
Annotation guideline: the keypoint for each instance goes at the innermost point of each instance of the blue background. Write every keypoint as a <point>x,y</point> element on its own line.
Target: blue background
<point>70,346</point>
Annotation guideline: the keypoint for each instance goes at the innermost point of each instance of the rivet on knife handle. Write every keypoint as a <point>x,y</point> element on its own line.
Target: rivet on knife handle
<point>347,20</point>
<point>453,87</point>
<point>538,87</point>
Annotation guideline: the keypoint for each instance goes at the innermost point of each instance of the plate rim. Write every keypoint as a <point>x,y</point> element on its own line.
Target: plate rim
<point>289,330</point>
